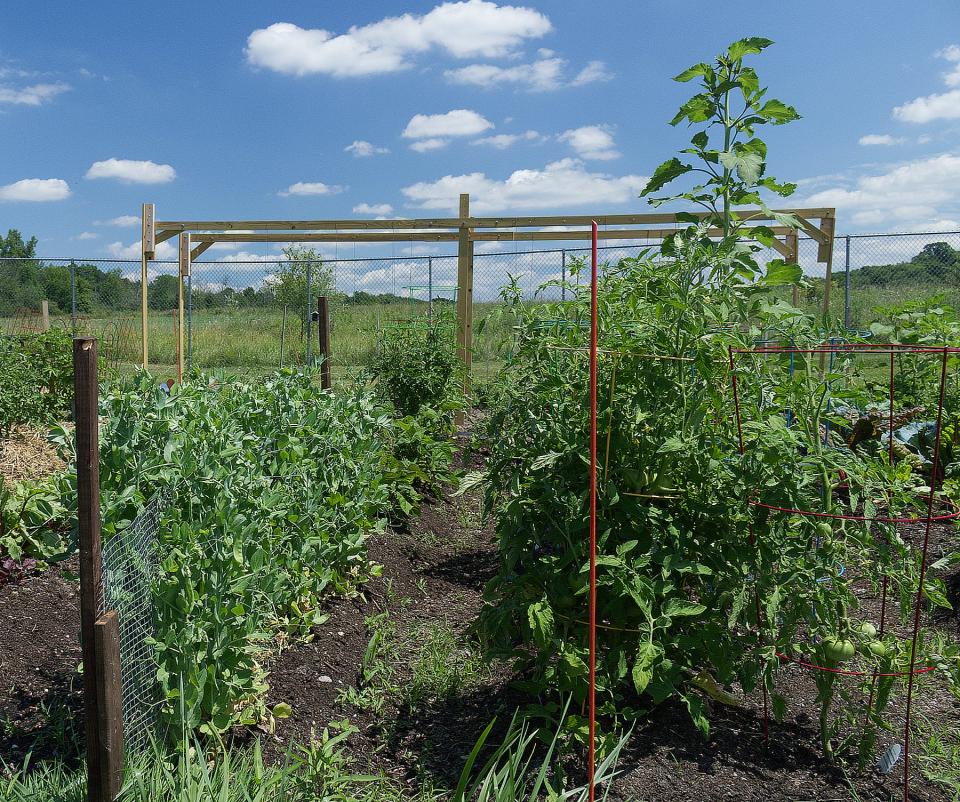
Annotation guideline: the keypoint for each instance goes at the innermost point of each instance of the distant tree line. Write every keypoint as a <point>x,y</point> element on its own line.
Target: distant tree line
<point>937,262</point>
<point>26,280</point>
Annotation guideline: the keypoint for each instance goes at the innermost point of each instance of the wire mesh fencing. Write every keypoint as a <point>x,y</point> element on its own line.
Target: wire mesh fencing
<point>129,569</point>
<point>257,313</point>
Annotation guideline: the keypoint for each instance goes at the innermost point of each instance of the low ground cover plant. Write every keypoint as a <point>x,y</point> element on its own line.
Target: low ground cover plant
<point>36,374</point>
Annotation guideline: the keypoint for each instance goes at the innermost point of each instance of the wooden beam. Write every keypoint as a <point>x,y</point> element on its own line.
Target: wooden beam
<point>176,226</point>
<point>323,342</point>
<point>148,230</point>
<point>603,234</point>
<point>781,247</point>
<point>165,234</point>
<point>793,246</point>
<point>147,252</point>
<point>45,314</point>
<point>199,250</point>
<point>345,236</point>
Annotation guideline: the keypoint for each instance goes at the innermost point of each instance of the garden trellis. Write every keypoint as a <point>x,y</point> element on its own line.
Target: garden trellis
<point>196,236</point>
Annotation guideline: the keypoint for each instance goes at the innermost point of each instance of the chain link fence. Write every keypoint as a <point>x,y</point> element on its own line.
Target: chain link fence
<point>255,314</point>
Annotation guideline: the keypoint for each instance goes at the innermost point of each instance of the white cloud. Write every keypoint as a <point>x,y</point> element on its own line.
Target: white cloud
<point>924,139</point>
<point>880,139</point>
<point>560,184</point>
<point>131,171</point>
<point>937,106</point>
<point>310,188</point>
<point>504,141</point>
<point>944,106</point>
<point>36,190</point>
<point>373,208</point>
<point>165,250</point>
<point>34,95</point>
<point>591,142</point>
<point>593,72</point>
<point>361,149</point>
<point>425,145</point>
<point>458,122</point>
<point>543,75</point>
<point>123,221</point>
<point>87,235</point>
<point>538,76</point>
<point>910,194</point>
<point>473,28</point>
<point>244,256</point>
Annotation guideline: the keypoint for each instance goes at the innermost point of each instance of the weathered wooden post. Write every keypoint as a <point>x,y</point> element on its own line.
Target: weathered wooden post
<point>323,340</point>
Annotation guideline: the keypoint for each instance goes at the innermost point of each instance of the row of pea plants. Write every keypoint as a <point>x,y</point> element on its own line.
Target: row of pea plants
<point>699,592</point>
<point>273,488</point>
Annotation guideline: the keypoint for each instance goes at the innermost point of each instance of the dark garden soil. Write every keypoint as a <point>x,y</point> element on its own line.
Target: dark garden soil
<point>40,687</point>
<point>433,572</point>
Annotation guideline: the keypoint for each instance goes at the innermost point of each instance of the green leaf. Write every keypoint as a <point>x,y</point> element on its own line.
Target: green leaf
<point>778,112</point>
<point>747,164</point>
<point>749,46</point>
<point>701,69</point>
<point>697,110</point>
<point>682,607</point>
<point>780,273</point>
<point>540,618</point>
<point>282,710</point>
<point>664,174</point>
<point>647,654</point>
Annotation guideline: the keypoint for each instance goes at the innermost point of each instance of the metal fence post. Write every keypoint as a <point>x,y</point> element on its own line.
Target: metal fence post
<point>430,288</point>
<point>846,286</point>
<point>309,318</point>
<point>563,275</point>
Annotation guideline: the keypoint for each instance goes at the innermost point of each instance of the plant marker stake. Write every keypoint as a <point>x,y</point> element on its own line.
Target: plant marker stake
<point>918,603</point>
<point>592,690</point>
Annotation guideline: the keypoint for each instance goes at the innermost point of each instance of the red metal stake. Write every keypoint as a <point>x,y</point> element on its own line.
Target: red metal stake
<point>592,691</point>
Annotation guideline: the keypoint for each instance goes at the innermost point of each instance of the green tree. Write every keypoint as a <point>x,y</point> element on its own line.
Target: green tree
<point>290,281</point>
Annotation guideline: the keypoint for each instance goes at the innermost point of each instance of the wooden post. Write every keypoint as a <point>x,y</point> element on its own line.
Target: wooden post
<point>85,386</point>
<point>793,245</point>
<point>323,341</point>
<point>148,249</point>
<point>45,314</point>
<point>110,720</point>
<point>465,294</point>
<point>182,275</point>
<point>825,254</point>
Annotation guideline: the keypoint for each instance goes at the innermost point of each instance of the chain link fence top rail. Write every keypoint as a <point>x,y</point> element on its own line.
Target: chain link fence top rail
<point>256,315</point>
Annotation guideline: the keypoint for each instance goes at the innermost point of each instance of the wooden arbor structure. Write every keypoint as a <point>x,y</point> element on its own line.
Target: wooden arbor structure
<point>196,236</point>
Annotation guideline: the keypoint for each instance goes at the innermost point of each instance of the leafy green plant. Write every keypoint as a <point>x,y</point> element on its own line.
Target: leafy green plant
<point>36,373</point>
<point>415,364</point>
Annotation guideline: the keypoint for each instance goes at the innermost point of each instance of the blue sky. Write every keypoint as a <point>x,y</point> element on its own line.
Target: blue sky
<point>252,109</point>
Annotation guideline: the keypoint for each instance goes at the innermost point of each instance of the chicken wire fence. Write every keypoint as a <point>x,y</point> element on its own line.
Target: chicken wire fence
<point>257,313</point>
<point>130,563</point>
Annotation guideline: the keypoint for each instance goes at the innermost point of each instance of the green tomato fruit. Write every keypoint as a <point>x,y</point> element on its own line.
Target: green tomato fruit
<point>877,648</point>
<point>839,651</point>
<point>824,529</point>
<point>868,630</point>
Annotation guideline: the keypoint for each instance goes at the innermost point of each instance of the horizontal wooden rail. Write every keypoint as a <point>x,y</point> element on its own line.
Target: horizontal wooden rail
<point>605,234</point>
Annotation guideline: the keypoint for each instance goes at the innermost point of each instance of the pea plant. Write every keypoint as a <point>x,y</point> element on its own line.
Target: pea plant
<point>36,373</point>
<point>699,588</point>
<point>273,489</point>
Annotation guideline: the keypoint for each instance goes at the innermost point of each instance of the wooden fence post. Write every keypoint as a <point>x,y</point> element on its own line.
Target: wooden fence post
<point>465,296</point>
<point>45,314</point>
<point>110,719</point>
<point>148,248</point>
<point>85,385</point>
<point>182,274</point>
<point>323,341</point>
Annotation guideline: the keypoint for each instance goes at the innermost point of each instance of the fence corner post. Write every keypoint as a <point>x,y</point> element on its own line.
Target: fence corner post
<point>323,341</point>
<point>465,296</point>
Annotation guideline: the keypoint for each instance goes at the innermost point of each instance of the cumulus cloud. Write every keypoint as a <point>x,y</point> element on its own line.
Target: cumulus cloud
<point>132,251</point>
<point>543,75</point>
<point>131,171</point>
<point>936,106</point>
<point>591,142</point>
<point>564,183</point>
<point>87,235</point>
<point>361,149</point>
<point>310,188</point>
<point>458,122</point>
<point>34,95</point>
<point>911,194</point>
<point>373,208</point>
<point>469,29</point>
<point>880,139</point>
<point>424,145</point>
<point>123,221</point>
<point>504,141</point>
<point>36,190</point>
